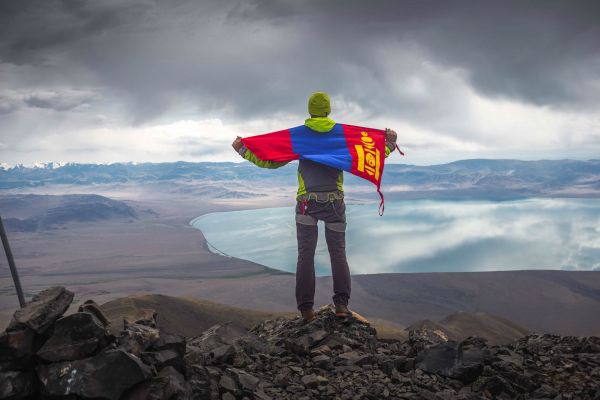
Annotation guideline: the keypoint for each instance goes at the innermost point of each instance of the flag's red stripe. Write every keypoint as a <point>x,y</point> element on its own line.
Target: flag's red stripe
<point>274,146</point>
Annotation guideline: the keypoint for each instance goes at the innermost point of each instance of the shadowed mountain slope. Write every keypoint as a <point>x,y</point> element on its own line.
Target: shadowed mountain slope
<point>189,317</point>
<point>29,213</point>
<point>495,329</point>
<point>542,301</point>
<point>183,316</point>
<point>461,325</point>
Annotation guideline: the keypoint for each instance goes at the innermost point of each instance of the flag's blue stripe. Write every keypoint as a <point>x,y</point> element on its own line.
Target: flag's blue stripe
<point>327,148</point>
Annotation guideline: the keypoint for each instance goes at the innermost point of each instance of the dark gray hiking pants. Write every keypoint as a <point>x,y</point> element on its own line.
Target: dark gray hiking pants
<point>333,213</point>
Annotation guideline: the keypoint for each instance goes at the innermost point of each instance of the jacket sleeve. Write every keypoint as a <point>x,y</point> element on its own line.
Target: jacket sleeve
<point>250,156</point>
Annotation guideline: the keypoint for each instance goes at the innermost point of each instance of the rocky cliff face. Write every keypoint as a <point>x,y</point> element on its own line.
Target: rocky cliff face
<point>46,355</point>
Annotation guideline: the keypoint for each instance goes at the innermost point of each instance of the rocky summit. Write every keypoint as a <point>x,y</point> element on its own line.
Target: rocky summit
<point>44,354</point>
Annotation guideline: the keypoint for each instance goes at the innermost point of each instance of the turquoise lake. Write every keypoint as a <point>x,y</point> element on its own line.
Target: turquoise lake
<point>425,236</point>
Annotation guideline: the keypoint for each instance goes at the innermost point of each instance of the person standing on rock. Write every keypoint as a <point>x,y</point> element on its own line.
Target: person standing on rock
<point>320,196</point>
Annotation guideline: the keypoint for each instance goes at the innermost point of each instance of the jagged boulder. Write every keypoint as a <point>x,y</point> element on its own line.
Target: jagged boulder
<point>313,380</point>
<point>17,384</point>
<point>354,358</point>
<point>104,376</point>
<point>169,384</point>
<point>75,337</point>
<point>90,306</point>
<point>217,345</point>
<point>137,338</point>
<point>17,347</point>
<point>144,316</point>
<point>28,328</point>
<point>463,361</point>
<point>166,351</point>
<point>168,341</point>
<point>43,310</point>
<point>425,334</point>
<point>200,382</point>
<point>244,380</point>
<point>216,336</point>
<point>161,359</point>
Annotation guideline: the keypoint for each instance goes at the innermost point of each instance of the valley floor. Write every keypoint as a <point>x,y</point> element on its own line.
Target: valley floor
<point>160,253</point>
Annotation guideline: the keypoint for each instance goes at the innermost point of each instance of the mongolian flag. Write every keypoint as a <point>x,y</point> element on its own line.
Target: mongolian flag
<point>358,150</point>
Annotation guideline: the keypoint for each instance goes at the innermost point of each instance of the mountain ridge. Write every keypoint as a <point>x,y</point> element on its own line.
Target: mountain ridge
<point>189,317</point>
<point>30,212</point>
<point>491,178</point>
<point>60,164</point>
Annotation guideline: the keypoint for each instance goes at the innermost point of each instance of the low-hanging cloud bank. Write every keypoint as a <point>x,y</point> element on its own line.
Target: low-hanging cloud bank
<point>154,81</point>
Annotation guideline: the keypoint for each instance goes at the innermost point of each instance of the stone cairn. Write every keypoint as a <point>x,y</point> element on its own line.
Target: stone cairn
<point>44,354</point>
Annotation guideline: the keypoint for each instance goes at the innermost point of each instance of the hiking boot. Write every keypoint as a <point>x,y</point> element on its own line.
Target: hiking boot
<point>308,315</point>
<point>342,311</point>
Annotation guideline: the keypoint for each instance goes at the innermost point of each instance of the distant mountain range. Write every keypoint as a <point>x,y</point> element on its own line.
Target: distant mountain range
<point>30,213</point>
<point>494,179</point>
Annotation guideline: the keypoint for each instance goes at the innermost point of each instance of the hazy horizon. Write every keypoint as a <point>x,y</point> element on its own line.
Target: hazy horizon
<point>58,164</point>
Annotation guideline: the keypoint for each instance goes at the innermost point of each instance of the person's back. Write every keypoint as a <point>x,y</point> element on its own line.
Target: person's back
<point>320,196</point>
<point>316,177</point>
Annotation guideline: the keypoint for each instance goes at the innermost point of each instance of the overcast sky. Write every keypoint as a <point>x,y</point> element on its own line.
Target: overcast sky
<point>128,80</point>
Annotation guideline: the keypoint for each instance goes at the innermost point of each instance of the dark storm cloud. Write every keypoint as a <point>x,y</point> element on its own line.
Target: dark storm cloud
<point>30,30</point>
<point>58,101</point>
<point>8,105</point>
<point>63,100</point>
<point>257,57</point>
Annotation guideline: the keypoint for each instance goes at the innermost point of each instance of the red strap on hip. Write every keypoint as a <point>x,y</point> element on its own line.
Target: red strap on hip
<point>304,206</point>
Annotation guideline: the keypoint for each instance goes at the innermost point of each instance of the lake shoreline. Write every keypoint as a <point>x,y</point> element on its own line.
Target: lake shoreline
<point>517,221</point>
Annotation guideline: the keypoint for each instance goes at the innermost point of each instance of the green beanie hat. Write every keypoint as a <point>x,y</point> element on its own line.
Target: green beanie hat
<point>319,105</point>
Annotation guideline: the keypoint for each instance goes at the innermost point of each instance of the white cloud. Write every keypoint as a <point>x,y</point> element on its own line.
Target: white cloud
<point>187,140</point>
<point>489,128</point>
<point>443,119</point>
<point>484,127</point>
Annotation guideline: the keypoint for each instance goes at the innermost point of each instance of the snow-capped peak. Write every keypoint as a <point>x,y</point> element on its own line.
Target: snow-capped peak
<point>39,165</point>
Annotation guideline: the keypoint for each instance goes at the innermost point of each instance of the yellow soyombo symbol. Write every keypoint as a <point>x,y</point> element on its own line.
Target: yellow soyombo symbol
<point>368,156</point>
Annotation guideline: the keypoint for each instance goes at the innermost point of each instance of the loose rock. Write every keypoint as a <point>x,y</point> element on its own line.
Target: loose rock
<point>75,337</point>
<point>286,359</point>
<point>41,312</point>
<point>17,384</point>
<point>105,376</point>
